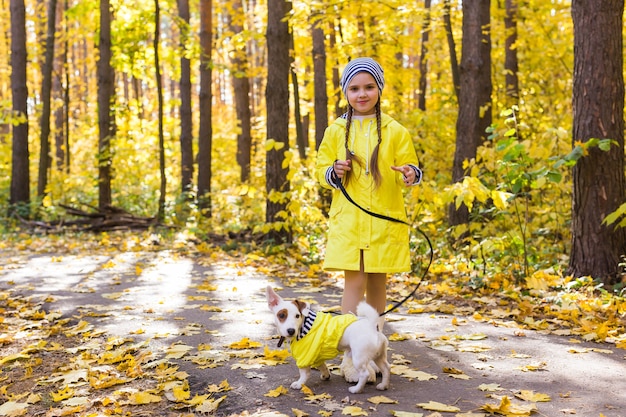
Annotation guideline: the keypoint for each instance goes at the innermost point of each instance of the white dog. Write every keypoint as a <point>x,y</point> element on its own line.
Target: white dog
<point>316,337</point>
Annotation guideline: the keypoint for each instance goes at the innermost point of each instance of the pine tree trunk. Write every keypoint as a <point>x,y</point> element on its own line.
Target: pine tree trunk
<point>598,106</point>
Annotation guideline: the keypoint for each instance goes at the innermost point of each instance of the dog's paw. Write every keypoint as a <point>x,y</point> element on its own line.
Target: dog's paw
<point>296,385</point>
<point>382,386</point>
<point>355,389</point>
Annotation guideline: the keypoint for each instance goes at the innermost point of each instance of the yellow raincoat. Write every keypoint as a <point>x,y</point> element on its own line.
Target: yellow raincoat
<point>385,244</point>
<point>321,342</point>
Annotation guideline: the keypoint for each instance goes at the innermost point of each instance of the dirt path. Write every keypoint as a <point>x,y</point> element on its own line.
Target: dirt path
<point>212,307</point>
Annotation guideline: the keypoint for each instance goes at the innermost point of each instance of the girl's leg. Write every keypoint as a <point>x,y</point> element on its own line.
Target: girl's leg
<point>376,291</point>
<point>353,289</point>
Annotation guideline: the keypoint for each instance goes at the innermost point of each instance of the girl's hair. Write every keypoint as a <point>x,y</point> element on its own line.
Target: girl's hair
<point>355,158</point>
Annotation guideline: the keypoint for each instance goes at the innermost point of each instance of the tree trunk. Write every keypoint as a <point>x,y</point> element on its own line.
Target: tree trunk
<point>186,121</point>
<point>320,103</point>
<point>241,87</point>
<point>510,54</point>
<point>475,94</point>
<point>454,64</point>
<point>45,161</point>
<point>598,107</point>
<point>106,96</point>
<point>205,137</point>
<point>300,136</point>
<point>61,92</point>
<point>159,86</point>
<point>20,178</point>
<point>277,102</point>
<point>423,64</point>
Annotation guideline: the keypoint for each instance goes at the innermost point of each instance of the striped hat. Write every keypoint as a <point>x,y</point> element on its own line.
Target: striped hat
<point>362,65</point>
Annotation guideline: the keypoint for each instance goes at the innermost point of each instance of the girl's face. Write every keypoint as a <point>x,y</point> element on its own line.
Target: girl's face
<point>362,94</point>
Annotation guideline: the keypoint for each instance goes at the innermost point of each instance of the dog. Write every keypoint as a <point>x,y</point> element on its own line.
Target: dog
<point>316,337</point>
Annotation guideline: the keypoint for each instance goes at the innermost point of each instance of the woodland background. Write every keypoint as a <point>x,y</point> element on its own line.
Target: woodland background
<point>222,141</point>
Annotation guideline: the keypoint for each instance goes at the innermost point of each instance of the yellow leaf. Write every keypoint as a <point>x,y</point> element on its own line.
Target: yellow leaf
<point>140,398</point>
<point>405,414</point>
<point>177,351</point>
<point>533,396</point>
<point>209,407</point>
<point>353,411</point>
<point>298,413</point>
<point>509,409</point>
<point>12,408</point>
<point>277,392</point>
<point>61,395</point>
<point>499,199</point>
<point>490,387</point>
<point>244,343</point>
<point>381,399</point>
<point>435,406</point>
<point>14,357</point>
<point>307,391</point>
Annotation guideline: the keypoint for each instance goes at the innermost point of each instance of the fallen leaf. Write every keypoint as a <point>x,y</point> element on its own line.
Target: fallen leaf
<point>353,411</point>
<point>507,408</point>
<point>277,392</point>
<point>405,414</point>
<point>435,406</point>
<point>527,395</point>
<point>381,399</point>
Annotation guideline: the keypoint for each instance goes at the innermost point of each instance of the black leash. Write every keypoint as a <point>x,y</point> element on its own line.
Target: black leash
<point>337,181</point>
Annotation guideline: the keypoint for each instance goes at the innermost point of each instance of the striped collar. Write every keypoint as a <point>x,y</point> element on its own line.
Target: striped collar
<point>307,324</point>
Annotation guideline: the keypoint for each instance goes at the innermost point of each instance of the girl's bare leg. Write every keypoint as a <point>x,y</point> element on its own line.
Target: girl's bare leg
<point>376,291</point>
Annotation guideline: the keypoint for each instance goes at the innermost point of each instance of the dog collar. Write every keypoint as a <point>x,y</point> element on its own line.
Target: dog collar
<point>307,324</point>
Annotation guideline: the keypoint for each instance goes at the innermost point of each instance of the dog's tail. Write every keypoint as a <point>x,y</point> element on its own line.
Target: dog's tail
<point>368,312</point>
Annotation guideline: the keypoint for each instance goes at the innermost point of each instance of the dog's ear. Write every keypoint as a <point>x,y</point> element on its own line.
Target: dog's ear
<point>301,305</point>
<point>272,298</point>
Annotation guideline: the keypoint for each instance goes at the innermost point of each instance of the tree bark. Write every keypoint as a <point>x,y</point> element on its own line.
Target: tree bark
<point>454,64</point>
<point>241,87</point>
<point>320,102</point>
<point>423,64</point>
<point>598,108</point>
<point>186,120</point>
<point>205,136</point>
<point>474,95</point>
<point>45,161</point>
<point>159,85</point>
<point>511,66</point>
<point>277,102</point>
<point>106,97</point>
<point>20,178</point>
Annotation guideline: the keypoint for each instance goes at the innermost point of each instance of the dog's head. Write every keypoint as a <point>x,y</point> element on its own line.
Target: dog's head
<point>288,315</point>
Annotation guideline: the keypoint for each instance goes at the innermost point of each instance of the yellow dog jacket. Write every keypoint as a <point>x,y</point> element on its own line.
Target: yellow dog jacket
<point>319,337</point>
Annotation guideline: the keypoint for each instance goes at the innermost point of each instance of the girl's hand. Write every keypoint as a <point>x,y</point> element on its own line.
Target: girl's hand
<point>408,174</point>
<point>341,167</point>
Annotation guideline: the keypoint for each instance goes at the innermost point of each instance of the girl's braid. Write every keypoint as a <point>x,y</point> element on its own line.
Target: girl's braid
<point>374,159</point>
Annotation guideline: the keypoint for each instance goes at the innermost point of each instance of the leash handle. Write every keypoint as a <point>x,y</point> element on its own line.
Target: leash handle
<point>337,181</point>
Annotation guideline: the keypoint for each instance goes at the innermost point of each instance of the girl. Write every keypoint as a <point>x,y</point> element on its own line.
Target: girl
<point>373,156</point>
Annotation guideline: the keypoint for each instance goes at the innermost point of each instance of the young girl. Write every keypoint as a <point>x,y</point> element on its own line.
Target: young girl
<point>373,156</point>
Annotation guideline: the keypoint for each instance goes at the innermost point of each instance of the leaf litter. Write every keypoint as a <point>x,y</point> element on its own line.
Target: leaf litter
<point>57,365</point>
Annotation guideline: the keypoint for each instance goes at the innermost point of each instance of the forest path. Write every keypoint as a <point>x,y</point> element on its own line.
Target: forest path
<point>208,316</point>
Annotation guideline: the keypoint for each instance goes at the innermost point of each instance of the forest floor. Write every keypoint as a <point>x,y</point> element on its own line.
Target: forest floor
<point>162,332</point>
